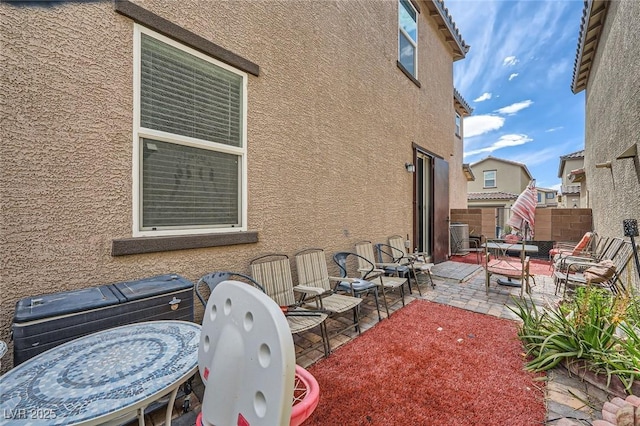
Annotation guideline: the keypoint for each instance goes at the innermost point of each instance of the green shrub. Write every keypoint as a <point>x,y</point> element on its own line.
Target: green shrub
<point>595,326</point>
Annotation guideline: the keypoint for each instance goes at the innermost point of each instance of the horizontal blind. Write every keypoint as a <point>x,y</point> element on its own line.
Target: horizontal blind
<point>184,186</point>
<point>185,95</point>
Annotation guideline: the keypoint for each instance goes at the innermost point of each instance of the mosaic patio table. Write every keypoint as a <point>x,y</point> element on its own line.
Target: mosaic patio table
<point>112,374</point>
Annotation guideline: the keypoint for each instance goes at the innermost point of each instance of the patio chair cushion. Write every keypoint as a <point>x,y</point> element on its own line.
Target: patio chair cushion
<point>601,272</point>
<point>505,268</point>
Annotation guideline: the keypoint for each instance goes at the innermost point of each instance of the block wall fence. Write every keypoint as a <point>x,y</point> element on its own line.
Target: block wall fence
<point>550,224</point>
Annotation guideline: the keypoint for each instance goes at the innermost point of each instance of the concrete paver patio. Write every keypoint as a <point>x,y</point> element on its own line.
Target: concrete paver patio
<point>463,285</point>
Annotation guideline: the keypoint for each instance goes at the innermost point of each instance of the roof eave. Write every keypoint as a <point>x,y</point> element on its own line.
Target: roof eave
<point>448,28</point>
<point>593,17</point>
<point>461,104</point>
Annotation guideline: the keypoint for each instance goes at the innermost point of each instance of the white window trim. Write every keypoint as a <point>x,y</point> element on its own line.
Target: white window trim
<point>495,179</point>
<point>141,132</point>
<point>458,125</point>
<point>414,44</point>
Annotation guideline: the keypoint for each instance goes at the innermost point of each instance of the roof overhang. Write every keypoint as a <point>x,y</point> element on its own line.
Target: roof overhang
<point>461,104</point>
<point>468,173</point>
<point>447,27</point>
<point>577,175</point>
<point>593,16</point>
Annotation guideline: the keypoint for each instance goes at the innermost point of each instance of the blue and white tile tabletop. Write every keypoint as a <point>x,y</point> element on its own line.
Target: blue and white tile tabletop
<point>102,375</point>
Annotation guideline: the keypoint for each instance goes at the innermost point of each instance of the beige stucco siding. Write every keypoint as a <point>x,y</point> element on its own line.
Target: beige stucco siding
<point>613,114</point>
<point>331,122</point>
<point>509,177</point>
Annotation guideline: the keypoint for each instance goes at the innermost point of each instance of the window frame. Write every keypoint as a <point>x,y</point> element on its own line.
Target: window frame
<point>495,178</point>
<point>140,133</point>
<point>409,39</point>
<point>549,195</point>
<point>458,122</point>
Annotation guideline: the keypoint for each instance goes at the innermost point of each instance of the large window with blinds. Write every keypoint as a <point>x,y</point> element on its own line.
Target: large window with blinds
<point>189,140</point>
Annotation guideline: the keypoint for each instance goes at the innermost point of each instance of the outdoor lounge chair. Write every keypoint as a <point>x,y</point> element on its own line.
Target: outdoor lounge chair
<point>273,272</point>
<point>507,266</point>
<point>604,274</point>
<point>356,286</point>
<point>608,251</point>
<point>367,258</point>
<point>314,281</point>
<point>582,247</point>
<point>417,261</point>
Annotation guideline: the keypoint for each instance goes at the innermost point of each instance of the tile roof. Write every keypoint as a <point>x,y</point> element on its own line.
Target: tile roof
<point>593,16</point>
<point>441,15</point>
<point>577,154</point>
<point>497,195</point>
<point>460,102</point>
<point>564,158</point>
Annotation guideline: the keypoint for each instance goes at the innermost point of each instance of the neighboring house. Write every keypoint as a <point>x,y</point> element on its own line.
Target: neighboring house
<point>574,186</point>
<point>497,184</point>
<point>151,137</point>
<point>499,175</point>
<point>607,67</point>
<point>459,174</point>
<point>547,197</point>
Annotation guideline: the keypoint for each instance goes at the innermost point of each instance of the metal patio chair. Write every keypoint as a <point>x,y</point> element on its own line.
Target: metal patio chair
<point>367,258</point>
<point>604,274</point>
<point>314,280</point>
<point>510,267</point>
<point>273,272</point>
<point>358,287</point>
<point>416,261</point>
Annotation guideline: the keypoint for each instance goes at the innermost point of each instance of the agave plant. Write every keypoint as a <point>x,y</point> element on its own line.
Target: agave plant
<point>596,326</point>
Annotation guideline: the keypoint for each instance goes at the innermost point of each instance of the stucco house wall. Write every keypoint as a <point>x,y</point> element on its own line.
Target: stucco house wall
<point>330,125</point>
<point>573,193</point>
<point>457,178</point>
<point>612,117</point>
<point>509,177</point>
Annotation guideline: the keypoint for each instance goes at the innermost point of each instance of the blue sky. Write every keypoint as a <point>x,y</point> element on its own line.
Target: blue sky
<point>517,77</point>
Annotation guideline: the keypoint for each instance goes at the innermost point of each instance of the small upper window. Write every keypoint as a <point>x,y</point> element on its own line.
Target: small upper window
<point>550,195</point>
<point>408,37</point>
<point>458,123</point>
<point>490,179</point>
<point>539,197</point>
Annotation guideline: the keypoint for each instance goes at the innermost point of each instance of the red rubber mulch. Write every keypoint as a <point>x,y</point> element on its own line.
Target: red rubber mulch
<point>405,371</point>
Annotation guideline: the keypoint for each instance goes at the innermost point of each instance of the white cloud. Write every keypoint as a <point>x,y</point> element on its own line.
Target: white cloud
<point>513,108</point>
<point>554,129</point>
<point>485,96</point>
<point>512,76</point>
<point>510,61</point>
<point>479,124</point>
<point>557,186</point>
<point>505,141</point>
<point>559,69</point>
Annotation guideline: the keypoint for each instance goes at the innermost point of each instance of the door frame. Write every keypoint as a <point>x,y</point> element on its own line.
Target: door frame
<point>418,150</point>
